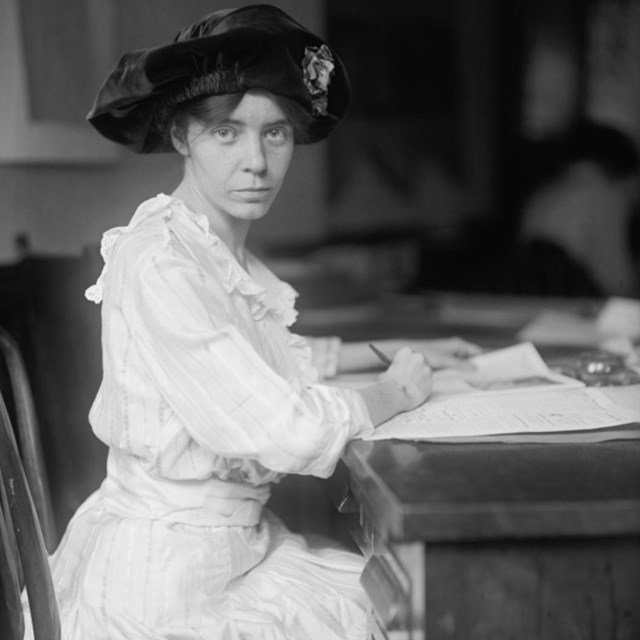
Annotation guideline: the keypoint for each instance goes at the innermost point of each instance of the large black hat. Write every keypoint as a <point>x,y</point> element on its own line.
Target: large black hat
<point>228,51</point>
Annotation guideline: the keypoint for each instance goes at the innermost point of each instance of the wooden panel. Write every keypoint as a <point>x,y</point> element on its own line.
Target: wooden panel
<point>545,590</point>
<point>11,618</point>
<point>440,492</point>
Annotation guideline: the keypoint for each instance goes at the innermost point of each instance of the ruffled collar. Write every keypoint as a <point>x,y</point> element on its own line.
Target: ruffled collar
<point>265,291</point>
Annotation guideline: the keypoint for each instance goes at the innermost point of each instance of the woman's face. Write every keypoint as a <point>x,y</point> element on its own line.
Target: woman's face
<point>238,163</point>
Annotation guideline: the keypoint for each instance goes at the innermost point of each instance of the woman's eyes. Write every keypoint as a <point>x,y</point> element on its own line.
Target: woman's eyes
<point>275,135</point>
<point>225,134</point>
<point>278,134</point>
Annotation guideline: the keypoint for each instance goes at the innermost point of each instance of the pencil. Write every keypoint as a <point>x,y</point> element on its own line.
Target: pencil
<point>383,358</point>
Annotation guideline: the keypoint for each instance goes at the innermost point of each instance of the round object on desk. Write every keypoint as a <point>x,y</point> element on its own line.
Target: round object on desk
<point>599,368</point>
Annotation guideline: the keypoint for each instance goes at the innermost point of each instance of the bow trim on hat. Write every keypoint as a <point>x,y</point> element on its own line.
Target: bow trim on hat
<point>317,69</point>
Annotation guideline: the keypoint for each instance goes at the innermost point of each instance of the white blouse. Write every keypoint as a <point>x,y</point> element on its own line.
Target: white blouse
<point>202,378</point>
<point>206,399</point>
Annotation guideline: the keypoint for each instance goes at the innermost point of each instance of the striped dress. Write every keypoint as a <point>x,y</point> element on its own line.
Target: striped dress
<point>207,399</point>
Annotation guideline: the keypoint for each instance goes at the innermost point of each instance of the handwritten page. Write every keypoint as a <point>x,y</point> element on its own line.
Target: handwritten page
<point>470,416</point>
<point>511,395</point>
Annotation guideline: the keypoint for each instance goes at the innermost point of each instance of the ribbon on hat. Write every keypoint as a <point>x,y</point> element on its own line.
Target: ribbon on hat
<point>317,69</point>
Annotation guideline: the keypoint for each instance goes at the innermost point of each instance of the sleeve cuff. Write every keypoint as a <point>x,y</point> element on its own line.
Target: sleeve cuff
<point>361,420</point>
<point>325,353</point>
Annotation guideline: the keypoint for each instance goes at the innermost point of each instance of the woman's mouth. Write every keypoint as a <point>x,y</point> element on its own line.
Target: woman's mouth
<point>253,193</point>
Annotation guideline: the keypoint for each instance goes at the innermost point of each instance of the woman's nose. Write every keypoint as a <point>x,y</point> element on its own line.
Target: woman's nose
<point>255,159</point>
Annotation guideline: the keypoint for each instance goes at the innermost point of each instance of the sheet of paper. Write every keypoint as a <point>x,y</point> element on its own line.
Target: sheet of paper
<point>510,391</point>
<point>627,397</point>
<point>552,327</point>
<point>516,368</point>
<point>477,414</point>
<point>620,316</point>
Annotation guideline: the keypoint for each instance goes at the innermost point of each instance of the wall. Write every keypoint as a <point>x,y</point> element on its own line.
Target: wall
<point>63,208</point>
<point>417,150</point>
<point>613,88</point>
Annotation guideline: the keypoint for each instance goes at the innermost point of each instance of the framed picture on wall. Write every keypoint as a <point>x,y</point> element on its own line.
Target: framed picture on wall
<point>53,57</point>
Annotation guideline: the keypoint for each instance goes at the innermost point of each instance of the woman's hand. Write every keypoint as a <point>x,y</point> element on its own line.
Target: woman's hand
<point>410,372</point>
<point>447,352</point>
<point>405,385</point>
<point>439,354</point>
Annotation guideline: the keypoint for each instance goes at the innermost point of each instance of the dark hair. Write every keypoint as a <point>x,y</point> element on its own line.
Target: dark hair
<point>215,108</point>
<point>611,149</point>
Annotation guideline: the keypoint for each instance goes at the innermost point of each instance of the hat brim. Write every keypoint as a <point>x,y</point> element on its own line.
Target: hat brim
<point>263,59</point>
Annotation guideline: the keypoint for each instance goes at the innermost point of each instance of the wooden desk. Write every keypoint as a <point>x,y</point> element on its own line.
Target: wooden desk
<point>498,541</point>
<point>495,541</point>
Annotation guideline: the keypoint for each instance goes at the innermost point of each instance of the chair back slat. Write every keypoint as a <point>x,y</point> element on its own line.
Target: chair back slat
<point>31,548</point>
<point>10,530</point>
<point>28,434</point>
<point>11,618</point>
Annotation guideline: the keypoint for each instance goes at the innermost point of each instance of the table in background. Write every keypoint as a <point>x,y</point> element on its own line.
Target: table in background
<point>492,321</point>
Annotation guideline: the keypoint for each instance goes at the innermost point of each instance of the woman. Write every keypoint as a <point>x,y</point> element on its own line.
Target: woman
<point>207,397</point>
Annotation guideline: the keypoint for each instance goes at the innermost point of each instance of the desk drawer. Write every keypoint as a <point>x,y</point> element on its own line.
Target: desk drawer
<point>393,576</point>
<point>386,585</point>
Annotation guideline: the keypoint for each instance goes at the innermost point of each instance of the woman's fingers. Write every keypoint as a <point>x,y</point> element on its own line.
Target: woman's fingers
<point>449,353</point>
<point>461,348</point>
<point>410,371</point>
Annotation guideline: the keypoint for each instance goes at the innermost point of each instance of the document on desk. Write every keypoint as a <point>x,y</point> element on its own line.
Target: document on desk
<point>516,368</point>
<point>512,396</point>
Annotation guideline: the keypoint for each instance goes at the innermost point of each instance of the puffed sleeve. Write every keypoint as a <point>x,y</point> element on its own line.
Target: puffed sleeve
<point>228,398</point>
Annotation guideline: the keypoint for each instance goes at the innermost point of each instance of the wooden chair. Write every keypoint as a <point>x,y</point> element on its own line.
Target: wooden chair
<point>28,434</point>
<point>23,556</point>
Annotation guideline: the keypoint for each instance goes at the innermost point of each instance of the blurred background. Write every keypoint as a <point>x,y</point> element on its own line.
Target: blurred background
<point>457,104</point>
<point>473,124</point>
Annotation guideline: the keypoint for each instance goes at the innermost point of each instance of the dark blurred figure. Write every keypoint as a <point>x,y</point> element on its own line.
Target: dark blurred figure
<point>574,237</point>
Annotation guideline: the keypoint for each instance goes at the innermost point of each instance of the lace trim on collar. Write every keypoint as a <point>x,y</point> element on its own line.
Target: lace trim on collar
<point>277,296</point>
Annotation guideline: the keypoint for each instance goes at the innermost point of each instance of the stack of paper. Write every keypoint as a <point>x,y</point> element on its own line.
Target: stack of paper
<point>512,396</point>
<point>615,327</point>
